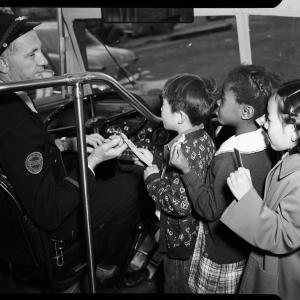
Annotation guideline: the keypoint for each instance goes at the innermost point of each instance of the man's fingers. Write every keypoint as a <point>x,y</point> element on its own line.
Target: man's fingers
<point>89,149</point>
<point>113,143</point>
<point>119,150</point>
<point>114,137</point>
<point>92,142</point>
<point>97,138</point>
<point>118,138</point>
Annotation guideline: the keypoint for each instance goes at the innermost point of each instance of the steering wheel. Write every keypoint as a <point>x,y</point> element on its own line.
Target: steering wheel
<point>104,124</point>
<point>98,122</point>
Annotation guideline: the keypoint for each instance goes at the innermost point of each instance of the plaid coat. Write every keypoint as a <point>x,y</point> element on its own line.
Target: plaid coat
<point>178,226</point>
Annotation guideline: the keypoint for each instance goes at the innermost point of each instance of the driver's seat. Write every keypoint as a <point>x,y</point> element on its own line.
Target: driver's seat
<point>29,250</point>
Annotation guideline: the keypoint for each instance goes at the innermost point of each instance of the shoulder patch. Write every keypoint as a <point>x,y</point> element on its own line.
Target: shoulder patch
<point>34,162</point>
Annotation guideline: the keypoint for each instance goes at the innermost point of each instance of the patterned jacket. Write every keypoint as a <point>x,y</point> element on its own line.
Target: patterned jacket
<point>178,225</point>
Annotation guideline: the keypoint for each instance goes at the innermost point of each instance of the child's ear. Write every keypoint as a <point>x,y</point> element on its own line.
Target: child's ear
<point>292,132</point>
<point>4,66</point>
<point>182,117</point>
<point>247,112</point>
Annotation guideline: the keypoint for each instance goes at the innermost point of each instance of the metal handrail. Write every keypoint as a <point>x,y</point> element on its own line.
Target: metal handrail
<point>77,80</point>
<point>85,77</point>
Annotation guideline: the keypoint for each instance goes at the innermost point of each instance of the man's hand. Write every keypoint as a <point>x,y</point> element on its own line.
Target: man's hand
<point>178,160</point>
<point>115,136</point>
<point>239,182</point>
<point>150,170</point>
<point>93,141</point>
<point>112,148</point>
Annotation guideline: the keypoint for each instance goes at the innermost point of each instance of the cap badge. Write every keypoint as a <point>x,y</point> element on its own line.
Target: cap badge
<point>20,18</point>
<point>34,162</point>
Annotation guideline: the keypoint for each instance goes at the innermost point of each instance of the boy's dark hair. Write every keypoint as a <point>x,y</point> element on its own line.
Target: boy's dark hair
<point>191,94</point>
<point>252,85</point>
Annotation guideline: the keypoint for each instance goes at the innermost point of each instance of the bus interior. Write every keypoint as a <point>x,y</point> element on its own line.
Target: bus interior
<point>121,68</point>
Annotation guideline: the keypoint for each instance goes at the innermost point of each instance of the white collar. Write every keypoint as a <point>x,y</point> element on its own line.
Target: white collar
<point>249,142</point>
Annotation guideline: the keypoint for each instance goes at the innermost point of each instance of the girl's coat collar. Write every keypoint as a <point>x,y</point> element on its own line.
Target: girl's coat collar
<point>289,164</point>
<point>251,142</point>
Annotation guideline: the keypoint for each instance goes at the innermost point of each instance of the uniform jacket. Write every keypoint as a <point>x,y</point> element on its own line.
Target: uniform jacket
<point>33,164</point>
<point>178,230</point>
<point>210,198</point>
<point>273,226</point>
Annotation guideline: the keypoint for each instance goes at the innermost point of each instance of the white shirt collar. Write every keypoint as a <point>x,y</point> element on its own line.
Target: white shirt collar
<point>250,142</point>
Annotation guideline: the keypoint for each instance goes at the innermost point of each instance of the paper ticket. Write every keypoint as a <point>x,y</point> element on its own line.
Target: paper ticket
<point>135,150</point>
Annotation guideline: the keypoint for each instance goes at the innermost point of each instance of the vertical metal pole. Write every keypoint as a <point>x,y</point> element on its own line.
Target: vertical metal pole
<point>81,142</point>
<point>242,21</point>
<point>62,47</point>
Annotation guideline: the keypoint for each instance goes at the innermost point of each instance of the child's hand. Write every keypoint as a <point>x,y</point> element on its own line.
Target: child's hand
<point>148,155</point>
<point>150,170</point>
<point>239,182</point>
<point>178,160</point>
<point>137,161</point>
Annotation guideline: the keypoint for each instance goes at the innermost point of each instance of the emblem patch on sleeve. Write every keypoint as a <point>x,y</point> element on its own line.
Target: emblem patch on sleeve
<point>34,162</point>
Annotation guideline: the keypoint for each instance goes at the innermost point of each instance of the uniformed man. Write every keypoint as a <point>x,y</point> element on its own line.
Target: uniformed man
<point>32,161</point>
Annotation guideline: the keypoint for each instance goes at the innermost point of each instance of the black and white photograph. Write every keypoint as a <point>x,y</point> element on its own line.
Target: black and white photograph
<point>150,150</point>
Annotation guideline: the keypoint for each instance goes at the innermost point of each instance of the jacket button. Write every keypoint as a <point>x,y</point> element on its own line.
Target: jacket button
<point>205,254</point>
<point>55,161</point>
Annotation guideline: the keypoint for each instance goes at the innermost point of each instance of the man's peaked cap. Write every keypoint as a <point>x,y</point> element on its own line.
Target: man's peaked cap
<point>12,27</point>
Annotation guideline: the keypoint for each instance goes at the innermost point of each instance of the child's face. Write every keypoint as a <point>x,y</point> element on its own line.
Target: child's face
<point>168,117</point>
<point>229,111</point>
<point>280,134</point>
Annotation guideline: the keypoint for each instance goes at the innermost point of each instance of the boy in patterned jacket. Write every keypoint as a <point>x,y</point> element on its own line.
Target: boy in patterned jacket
<point>187,105</point>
